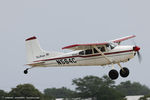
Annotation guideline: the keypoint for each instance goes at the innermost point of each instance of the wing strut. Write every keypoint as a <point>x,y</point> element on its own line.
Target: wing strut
<point>103,54</point>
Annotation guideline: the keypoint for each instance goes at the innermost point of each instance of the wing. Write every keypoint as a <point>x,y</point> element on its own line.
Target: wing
<point>88,46</point>
<point>83,46</point>
<point>123,39</point>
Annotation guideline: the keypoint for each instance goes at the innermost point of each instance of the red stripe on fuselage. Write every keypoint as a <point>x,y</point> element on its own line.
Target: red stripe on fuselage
<point>84,56</point>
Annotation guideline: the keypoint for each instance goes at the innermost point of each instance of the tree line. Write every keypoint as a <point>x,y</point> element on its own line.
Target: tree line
<point>87,87</point>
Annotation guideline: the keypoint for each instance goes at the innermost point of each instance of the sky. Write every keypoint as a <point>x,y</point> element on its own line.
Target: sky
<point>58,23</point>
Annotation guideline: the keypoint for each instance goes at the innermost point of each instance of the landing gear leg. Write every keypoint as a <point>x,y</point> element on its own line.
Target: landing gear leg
<point>113,74</point>
<point>124,72</point>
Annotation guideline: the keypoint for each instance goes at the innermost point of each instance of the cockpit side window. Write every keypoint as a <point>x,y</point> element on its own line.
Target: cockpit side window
<point>108,46</point>
<point>102,49</point>
<point>111,45</point>
<point>88,51</point>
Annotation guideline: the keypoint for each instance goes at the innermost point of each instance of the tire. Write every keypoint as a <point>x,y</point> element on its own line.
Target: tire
<point>25,71</point>
<point>125,72</point>
<point>113,74</point>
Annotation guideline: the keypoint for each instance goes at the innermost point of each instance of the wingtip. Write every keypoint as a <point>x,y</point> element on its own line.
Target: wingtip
<point>134,35</point>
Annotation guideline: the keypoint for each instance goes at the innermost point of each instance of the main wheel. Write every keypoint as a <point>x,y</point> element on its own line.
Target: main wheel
<point>113,74</point>
<point>124,72</point>
<point>26,71</point>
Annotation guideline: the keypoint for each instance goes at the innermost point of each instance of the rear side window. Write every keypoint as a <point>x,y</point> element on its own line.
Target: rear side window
<point>88,51</point>
<point>95,51</point>
<point>81,53</point>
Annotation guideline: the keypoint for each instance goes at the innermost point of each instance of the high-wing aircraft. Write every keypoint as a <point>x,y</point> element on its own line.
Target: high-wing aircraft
<point>93,54</point>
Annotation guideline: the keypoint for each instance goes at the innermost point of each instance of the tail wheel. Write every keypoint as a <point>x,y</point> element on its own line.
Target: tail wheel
<point>113,74</point>
<point>124,72</point>
<point>26,71</point>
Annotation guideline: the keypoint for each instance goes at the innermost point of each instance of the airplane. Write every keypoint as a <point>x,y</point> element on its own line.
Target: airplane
<point>92,54</point>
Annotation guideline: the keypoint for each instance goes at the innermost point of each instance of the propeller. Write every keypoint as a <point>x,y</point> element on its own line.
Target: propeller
<point>139,56</point>
<point>137,48</point>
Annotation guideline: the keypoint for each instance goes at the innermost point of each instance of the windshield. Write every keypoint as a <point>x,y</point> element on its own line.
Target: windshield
<point>111,45</point>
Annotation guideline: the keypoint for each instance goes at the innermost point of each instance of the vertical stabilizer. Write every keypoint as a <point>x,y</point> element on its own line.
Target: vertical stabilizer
<point>33,49</point>
<point>35,53</point>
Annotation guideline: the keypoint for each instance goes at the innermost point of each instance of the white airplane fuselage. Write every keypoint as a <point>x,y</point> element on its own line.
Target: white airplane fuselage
<point>118,54</point>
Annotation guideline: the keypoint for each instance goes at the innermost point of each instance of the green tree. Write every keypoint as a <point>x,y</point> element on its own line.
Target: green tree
<point>106,93</point>
<point>25,90</point>
<point>59,92</point>
<point>95,87</point>
<point>134,88</point>
<point>87,86</point>
<point>2,94</point>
